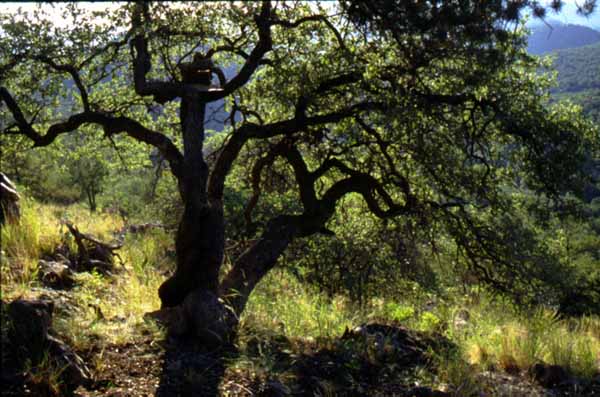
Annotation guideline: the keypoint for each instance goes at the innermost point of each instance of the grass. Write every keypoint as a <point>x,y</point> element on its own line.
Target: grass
<point>500,336</point>
<point>282,304</point>
<point>110,310</point>
<point>107,308</point>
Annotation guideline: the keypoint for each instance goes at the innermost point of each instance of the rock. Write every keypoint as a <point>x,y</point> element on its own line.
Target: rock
<point>208,318</point>
<point>31,344</point>
<point>9,200</point>
<point>461,319</point>
<point>548,375</point>
<point>396,343</point>
<point>55,275</point>
<point>29,325</point>
<point>97,265</point>
<point>75,371</point>
<point>143,227</point>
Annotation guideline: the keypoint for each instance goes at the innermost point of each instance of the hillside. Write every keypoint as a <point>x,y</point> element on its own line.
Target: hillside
<point>578,68</point>
<point>556,36</point>
<point>579,77</point>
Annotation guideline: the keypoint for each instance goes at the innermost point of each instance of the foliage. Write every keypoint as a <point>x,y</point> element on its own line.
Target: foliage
<point>434,120</point>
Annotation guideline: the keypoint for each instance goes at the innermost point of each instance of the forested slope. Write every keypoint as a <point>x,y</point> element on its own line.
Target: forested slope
<point>579,77</point>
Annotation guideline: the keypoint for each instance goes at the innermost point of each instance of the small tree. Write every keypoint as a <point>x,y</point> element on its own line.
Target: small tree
<point>423,109</point>
<point>88,173</point>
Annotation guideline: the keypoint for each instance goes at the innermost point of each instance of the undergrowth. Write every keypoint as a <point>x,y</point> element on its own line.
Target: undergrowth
<point>490,334</point>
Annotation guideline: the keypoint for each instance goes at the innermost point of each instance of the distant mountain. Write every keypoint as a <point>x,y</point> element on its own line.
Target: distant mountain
<point>555,36</point>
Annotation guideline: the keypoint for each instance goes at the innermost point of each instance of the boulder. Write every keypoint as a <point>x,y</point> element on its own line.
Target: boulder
<point>9,200</point>
<point>75,372</point>
<point>31,344</point>
<point>29,325</point>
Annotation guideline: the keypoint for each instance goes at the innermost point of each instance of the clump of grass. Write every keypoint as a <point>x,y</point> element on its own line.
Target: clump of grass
<point>45,378</point>
<point>280,302</point>
<point>458,374</point>
<point>23,242</point>
<point>113,308</point>
<point>499,336</point>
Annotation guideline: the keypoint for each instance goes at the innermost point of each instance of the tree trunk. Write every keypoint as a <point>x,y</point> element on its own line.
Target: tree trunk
<point>199,245</point>
<point>200,237</point>
<point>193,290</point>
<point>256,262</point>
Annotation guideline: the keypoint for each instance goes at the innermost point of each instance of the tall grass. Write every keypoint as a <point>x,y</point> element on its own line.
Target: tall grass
<point>108,308</point>
<point>499,336</point>
<point>23,242</point>
<point>280,302</point>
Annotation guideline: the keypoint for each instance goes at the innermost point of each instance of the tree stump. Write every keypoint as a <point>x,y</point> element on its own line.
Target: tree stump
<point>9,201</point>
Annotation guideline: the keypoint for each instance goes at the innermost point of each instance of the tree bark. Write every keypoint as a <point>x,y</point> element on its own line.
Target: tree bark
<point>200,237</point>
<point>257,261</point>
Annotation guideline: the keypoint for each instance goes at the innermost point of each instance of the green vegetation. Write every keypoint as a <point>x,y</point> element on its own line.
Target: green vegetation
<point>578,78</point>
<point>578,68</point>
<point>388,208</point>
<point>286,313</point>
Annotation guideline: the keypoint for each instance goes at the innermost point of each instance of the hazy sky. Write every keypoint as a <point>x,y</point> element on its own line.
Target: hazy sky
<point>568,14</point>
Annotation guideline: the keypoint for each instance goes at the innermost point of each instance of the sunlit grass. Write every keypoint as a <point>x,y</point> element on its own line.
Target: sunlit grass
<point>110,309</point>
<point>498,336</point>
<point>281,303</point>
<point>23,242</point>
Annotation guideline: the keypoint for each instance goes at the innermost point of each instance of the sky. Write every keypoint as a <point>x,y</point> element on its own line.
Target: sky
<point>567,15</point>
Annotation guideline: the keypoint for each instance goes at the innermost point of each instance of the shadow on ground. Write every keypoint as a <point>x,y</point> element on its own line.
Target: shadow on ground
<point>373,359</point>
<point>191,369</point>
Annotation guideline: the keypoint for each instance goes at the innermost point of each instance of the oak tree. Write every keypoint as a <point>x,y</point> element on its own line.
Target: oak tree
<point>421,109</point>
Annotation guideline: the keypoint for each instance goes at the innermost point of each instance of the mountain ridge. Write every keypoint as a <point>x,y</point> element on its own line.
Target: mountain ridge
<point>557,36</point>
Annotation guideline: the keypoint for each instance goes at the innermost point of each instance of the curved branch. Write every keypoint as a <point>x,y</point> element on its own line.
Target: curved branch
<point>111,126</point>
<point>366,185</point>
<point>255,182</point>
<point>256,131</point>
<point>315,18</point>
<point>256,55</point>
<point>304,179</point>
<point>72,70</point>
